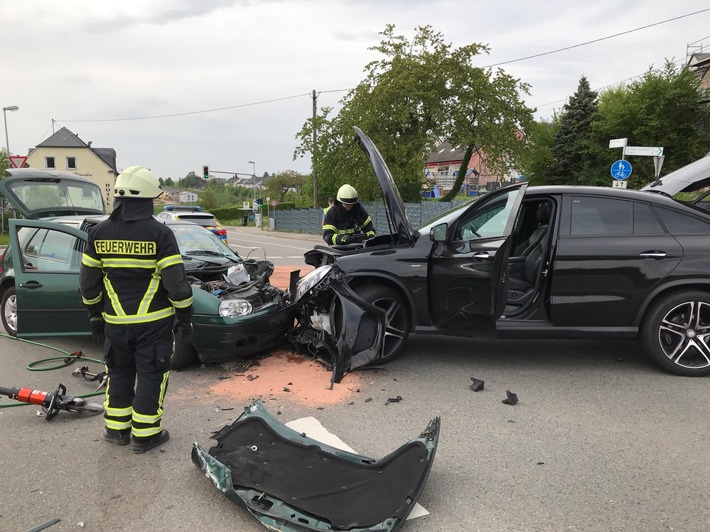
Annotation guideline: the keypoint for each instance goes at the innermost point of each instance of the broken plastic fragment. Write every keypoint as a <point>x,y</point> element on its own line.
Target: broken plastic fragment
<point>476,385</point>
<point>512,398</point>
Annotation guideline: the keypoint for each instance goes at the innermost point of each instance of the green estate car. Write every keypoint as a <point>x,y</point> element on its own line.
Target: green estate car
<point>237,312</point>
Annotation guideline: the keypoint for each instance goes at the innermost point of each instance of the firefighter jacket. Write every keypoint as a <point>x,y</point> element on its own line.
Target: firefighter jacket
<point>341,226</point>
<point>132,271</point>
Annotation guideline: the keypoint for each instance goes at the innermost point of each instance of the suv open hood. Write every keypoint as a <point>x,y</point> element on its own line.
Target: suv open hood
<point>43,193</point>
<point>396,214</point>
<point>688,178</point>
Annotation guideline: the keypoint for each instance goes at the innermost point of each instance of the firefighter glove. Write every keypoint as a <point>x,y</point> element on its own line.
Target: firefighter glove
<point>183,331</point>
<point>342,239</point>
<point>98,328</point>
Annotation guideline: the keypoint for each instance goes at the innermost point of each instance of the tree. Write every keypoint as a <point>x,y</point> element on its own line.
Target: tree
<point>537,157</point>
<point>4,162</point>
<point>208,199</point>
<point>420,93</point>
<point>574,141</point>
<point>191,180</point>
<point>280,183</point>
<point>661,109</point>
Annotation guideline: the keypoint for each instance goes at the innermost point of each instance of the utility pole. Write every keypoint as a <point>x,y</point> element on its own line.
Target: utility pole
<point>313,152</point>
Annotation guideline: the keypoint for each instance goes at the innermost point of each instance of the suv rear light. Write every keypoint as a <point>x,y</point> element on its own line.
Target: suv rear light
<point>1,255</point>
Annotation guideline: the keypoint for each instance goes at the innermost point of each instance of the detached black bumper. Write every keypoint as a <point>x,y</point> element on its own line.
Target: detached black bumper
<point>293,483</point>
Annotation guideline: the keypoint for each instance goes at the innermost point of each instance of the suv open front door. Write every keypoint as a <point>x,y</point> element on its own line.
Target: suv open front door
<point>47,255</point>
<point>468,270</point>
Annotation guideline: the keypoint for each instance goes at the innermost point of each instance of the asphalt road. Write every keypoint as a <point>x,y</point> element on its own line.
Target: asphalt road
<point>600,439</point>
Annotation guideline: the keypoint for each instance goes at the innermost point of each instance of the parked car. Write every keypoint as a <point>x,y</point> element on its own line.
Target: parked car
<point>526,262</point>
<point>195,214</point>
<point>236,311</point>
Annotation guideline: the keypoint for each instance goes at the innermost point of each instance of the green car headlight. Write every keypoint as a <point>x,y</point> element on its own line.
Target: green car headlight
<point>230,308</point>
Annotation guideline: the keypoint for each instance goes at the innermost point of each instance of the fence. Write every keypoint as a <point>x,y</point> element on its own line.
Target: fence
<point>309,220</point>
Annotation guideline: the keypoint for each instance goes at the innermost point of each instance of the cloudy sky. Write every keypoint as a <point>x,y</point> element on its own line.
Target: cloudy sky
<point>176,84</point>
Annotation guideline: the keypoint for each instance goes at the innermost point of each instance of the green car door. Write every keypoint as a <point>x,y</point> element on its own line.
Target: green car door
<point>46,257</point>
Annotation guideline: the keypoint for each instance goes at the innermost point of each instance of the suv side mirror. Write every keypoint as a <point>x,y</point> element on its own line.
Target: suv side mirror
<point>438,232</point>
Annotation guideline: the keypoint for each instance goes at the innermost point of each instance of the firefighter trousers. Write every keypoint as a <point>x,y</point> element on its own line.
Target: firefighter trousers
<point>137,359</point>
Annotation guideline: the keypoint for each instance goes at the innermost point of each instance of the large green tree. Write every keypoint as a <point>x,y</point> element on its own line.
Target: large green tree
<point>661,109</point>
<point>422,91</point>
<point>574,142</point>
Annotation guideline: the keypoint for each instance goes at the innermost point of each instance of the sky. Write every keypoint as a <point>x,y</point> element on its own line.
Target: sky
<point>177,84</point>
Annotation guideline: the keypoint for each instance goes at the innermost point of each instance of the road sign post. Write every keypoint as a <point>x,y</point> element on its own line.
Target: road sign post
<point>618,143</point>
<point>658,164</point>
<point>621,170</point>
<point>17,161</point>
<point>646,151</point>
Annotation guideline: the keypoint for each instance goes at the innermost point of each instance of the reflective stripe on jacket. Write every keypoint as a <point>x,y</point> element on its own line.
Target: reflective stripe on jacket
<point>133,272</point>
<point>339,222</point>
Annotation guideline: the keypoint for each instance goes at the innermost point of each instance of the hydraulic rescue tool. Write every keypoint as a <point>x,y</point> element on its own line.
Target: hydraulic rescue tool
<point>52,403</point>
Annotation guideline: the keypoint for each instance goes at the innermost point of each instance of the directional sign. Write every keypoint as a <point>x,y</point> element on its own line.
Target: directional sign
<point>18,161</point>
<point>621,169</point>
<point>617,143</point>
<point>644,150</point>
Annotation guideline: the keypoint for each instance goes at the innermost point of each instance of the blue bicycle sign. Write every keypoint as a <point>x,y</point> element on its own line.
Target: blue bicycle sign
<point>621,169</point>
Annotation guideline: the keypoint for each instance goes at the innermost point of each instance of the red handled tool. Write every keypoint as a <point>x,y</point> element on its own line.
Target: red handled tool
<point>52,403</point>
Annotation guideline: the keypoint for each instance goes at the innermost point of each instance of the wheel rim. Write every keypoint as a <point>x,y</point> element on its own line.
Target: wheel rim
<point>395,323</point>
<point>684,335</point>
<point>10,313</point>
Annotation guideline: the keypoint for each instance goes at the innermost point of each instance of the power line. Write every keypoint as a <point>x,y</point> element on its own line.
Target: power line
<point>597,40</point>
<point>189,112</point>
<point>212,110</point>
<point>605,87</point>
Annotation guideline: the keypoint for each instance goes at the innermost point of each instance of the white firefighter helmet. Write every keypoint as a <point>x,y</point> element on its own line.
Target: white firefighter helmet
<point>137,182</point>
<point>347,195</point>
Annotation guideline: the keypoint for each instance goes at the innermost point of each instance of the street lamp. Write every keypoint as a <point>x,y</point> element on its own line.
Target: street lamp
<point>4,118</point>
<point>253,177</point>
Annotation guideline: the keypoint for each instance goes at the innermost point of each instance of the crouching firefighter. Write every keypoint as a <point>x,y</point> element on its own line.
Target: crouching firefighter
<point>133,283</point>
<point>347,221</point>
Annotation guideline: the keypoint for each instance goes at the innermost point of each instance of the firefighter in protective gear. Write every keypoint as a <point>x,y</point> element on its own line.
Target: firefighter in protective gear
<point>133,283</point>
<point>347,221</point>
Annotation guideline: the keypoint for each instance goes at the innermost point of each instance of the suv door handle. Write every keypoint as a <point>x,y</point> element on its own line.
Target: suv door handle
<point>481,255</point>
<point>653,254</point>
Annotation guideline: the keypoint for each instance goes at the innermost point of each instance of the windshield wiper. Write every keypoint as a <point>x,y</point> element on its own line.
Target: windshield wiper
<point>210,253</point>
<point>204,252</point>
<point>187,256</point>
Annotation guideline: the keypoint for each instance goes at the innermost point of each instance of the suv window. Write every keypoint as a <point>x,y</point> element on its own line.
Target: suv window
<point>488,221</point>
<point>593,216</point>
<point>680,223</point>
<point>645,222</point>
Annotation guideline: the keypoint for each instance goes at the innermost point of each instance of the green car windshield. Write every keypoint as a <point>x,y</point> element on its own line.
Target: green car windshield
<point>194,239</point>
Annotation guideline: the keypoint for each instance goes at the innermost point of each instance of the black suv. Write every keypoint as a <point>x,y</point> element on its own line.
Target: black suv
<point>527,262</point>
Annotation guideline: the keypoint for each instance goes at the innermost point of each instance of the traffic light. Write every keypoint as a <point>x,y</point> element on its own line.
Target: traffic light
<point>205,172</point>
<point>260,201</point>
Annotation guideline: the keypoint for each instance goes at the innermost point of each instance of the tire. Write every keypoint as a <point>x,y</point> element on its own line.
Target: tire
<point>183,355</point>
<point>398,318</point>
<point>676,333</point>
<point>9,311</point>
